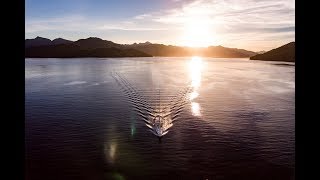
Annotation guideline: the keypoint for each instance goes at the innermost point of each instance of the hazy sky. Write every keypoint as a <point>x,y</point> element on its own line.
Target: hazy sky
<point>250,24</point>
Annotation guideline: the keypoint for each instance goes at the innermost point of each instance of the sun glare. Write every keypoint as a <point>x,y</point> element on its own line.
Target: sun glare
<point>195,69</point>
<point>197,33</point>
<point>195,66</point>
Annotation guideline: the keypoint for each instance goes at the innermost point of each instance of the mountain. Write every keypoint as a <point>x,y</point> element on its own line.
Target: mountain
<point>261,52</point>
<point>283,53</point>
<point>212,51</point>
<point>90,47</point>
<point>140,44</point>
<point>60,41</point>
<point>245,52</point>
<point>159,49</point>
<point>40,41</point>
<point>220,51</point>
<point>96,47</point>
<point>93,43</point>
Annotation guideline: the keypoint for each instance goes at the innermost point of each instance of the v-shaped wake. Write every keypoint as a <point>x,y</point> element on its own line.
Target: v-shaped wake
<point>158,114</point>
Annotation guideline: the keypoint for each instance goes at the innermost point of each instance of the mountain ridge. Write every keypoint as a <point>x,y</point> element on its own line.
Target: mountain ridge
<point>283,53</point>
<point>90,45</point>
<point>40,41</point>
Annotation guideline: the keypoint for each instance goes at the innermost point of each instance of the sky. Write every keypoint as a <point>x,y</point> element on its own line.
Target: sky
<point>248,24</point>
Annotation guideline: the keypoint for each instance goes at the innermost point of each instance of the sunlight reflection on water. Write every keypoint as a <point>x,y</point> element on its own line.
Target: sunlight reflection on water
<point>195,70</point>
<point>225,113</point>
<point>195,107</point>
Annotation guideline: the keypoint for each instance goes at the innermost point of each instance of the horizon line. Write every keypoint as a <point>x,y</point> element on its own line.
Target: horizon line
<point>195,47</point>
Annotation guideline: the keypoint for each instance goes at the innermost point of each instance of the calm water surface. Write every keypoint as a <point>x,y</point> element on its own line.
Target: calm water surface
<point>235,120</point>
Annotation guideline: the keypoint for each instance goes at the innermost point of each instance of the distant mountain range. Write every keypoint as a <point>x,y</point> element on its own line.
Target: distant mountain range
<point>261,52</point>
<point>96,47</point>
<point>40,41</point>
<point>283,53</point>
<point>90,47</point>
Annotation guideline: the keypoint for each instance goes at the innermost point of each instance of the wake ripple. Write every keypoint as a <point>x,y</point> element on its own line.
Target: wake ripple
<point>157,112</point>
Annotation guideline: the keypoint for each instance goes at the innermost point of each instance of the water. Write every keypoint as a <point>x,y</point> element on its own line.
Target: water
<point>96,118</point>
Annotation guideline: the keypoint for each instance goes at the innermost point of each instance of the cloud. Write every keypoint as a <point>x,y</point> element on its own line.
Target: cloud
<point>231,21</point>
<point>133,27</point>
<point>142,16</point>
<point>83,24</point>
<point>240,12</point>
<point>247,20</point>
<point>71,22</point>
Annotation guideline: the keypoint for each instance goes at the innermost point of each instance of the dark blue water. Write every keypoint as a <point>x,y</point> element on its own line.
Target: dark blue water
<point>228,119</point>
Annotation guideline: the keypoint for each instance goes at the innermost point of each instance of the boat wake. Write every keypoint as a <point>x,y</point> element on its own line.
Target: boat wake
<point>157,112</point>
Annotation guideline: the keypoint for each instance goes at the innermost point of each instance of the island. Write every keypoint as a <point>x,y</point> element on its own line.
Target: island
<point>284,53</point>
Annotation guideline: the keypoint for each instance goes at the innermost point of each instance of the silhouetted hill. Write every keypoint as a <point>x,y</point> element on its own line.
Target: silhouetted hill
<point>212,51</point>
<point>73,50</point>
<point>160,49</point>
<point>96,47</point>
<point>60,41</point>
<point>245,52</point>
<point>40,41</point>
<point>93,43</point>
<point>283,53</point>
<point>220,51</point>
<point>140,44</point>
<point>261,52</point>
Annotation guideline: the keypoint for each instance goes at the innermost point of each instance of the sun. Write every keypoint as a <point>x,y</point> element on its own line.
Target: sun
<point>197,33</point>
